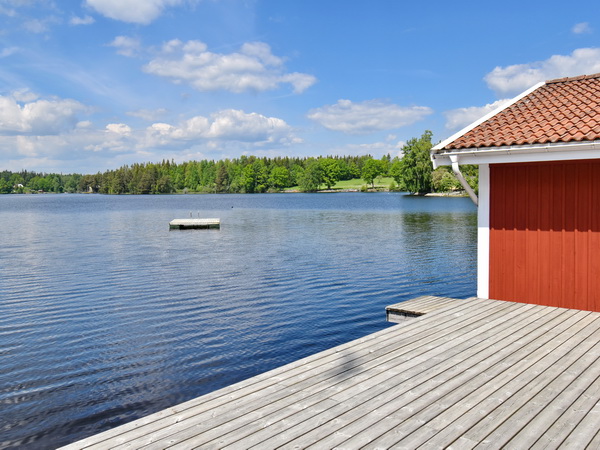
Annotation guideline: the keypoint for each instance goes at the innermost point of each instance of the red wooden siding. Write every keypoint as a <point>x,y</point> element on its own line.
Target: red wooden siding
<point>545,233</point>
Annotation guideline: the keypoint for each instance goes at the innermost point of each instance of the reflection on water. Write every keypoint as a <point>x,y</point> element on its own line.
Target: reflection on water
<point>106,315</point>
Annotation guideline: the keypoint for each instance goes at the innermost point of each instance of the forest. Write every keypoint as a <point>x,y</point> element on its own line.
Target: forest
<point>413,172</point>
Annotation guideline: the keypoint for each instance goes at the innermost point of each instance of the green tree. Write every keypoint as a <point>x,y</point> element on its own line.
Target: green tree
<point>296,173</point>
<point>55,183</point>
<point>234,172</point>
<point>261,175</point>
<point>396,173</point>
<point>222,178</point>
<point>5,186</point>
<point>118,183</point>
<point>386,162</point>
<point>44,184</point>
<point>163,185</point>
<point>72,183</point>
<point>192,177</point>
<point>416,167</point>
<point>208,174</point>
<point>330,171</point>
<point>311,178</point>
<point>248,180</point>
<point>16,179</point>
<point>146,182</point>
<point>471,174</point>
<point>372,168</point>
<point>179,176</point>
<point>280,177</point>
<point>443,180</point>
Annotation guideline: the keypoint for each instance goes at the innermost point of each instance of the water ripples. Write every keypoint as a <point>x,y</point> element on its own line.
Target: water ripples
<point>106,316</point>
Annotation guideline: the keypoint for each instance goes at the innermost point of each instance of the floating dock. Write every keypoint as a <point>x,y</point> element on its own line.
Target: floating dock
<point>194,224</point>
<point>463,373</point>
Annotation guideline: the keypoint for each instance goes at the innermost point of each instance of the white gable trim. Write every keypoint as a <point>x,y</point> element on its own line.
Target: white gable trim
<point>489,115</point>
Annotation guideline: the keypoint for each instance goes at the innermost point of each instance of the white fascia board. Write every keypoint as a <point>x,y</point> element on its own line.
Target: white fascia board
<point>488,116</point>
<point>564,151</point>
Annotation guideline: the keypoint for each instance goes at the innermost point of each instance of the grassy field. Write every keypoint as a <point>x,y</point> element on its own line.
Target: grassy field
<point>356,184</point>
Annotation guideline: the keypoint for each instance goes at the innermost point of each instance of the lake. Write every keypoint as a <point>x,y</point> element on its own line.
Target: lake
<point>107,316</point>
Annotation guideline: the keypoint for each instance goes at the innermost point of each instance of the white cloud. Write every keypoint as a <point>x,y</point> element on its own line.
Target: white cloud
<point>39,117</point>
<point>367,117</point>
<point>226,125</point>
<point>461,117</point>
<point>24,95</point>
<point>87,20</point>
<point>253,68</point>
<point>126,46</point>
<point>48,131</point>
<point>119,128</point>
<point>300,81</point>
<point>236,125</point>
<point>132,11</point>
<point>582,28</point>
<point>519,77</point>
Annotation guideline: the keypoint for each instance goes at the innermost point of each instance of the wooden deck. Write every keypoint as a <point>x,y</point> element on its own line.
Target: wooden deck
<point>418,306</point>
<point>477,373</point>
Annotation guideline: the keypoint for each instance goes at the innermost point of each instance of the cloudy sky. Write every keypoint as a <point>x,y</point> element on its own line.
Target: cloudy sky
<point>90,85</point>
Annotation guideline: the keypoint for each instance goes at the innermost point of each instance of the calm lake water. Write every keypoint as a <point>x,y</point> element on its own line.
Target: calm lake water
<point>107,316</point>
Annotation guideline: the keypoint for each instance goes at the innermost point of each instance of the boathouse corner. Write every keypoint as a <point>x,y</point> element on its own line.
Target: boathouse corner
<point>539,194</point>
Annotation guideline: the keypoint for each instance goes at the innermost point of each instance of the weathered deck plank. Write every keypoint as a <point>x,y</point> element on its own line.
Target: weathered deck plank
<point>403,418</point>
<point>309,377</point>
<point>319,378</point>
<point>448,373</point>
<point>522,390</point>
<point>576,413</point>
<point>466,373</point>
<point>485,400</point>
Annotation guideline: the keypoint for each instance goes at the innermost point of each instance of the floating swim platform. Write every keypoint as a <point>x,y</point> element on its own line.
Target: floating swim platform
<point>194,224</point>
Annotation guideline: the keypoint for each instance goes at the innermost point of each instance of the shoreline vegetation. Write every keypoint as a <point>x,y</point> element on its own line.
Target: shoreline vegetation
<point>412,173</point>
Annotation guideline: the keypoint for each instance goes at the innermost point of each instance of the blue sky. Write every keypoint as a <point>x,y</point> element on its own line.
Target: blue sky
<point>90,85</point>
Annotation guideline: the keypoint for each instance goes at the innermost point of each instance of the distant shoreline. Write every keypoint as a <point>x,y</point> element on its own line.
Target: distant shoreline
<point>447,194</point>
<point>321,191</point>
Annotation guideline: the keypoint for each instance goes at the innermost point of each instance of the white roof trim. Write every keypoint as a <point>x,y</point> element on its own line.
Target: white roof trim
<point>489,115</point>
<point>560,151</point>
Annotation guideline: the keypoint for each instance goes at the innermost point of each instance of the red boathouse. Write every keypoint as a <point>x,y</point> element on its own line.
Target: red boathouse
<point>539,194</point>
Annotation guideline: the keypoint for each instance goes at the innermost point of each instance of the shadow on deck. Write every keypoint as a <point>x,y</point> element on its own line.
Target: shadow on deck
<point>465,372</point>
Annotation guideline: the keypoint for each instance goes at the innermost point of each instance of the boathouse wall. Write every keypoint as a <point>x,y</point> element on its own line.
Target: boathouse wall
<point>544,233</point>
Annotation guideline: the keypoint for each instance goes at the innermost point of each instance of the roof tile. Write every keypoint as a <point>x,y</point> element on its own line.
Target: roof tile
<point>561,110</point>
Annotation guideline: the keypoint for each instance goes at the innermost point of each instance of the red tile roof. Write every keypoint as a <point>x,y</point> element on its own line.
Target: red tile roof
<point>561,110</point>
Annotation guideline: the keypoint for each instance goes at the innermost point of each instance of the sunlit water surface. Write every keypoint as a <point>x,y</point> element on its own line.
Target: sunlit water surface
<point>107,316</point>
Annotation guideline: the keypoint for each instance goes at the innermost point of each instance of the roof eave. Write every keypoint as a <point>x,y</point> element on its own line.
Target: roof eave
<point>562,151</point>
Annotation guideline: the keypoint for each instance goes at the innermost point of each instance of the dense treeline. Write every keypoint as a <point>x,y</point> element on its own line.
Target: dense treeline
<point>242,175</point>
<point>25,181</point>
<point>248,174</point>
